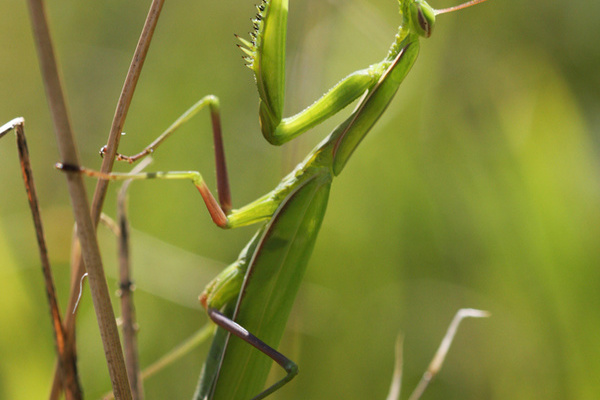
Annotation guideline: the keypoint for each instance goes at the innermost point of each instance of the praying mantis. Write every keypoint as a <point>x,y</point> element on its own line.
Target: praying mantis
<point>252,298</point>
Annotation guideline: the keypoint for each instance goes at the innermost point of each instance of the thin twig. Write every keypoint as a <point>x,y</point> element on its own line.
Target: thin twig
<point>111,224</point>
<point>81,210</point>
<point>396,386</point>
<point>68,363</point>
<point>440,354</point>
<point>126,287</point>
<point>112,144</point>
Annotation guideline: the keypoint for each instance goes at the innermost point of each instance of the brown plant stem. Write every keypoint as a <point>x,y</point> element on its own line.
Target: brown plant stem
<point>81,210</point>
<point>126,287</point>
<point>135,68</point>
<point>67,360</point>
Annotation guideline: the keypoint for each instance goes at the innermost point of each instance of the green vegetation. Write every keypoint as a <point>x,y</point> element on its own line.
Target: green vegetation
<point>479,187</point>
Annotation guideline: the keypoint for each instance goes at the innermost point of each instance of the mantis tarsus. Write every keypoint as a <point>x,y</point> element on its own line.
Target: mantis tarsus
<point>255,294</point>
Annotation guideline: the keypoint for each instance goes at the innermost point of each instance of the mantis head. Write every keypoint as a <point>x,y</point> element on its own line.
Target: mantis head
<point>421,16</point>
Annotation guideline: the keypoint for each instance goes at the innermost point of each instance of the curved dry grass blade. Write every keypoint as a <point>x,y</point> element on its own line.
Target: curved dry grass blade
<point>440,355</point>
<point>396,386</point>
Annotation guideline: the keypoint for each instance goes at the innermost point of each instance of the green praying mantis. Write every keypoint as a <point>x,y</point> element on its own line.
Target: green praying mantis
<point>252,298</point>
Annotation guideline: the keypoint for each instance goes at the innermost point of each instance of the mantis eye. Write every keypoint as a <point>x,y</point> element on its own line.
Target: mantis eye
<point>422,18</point>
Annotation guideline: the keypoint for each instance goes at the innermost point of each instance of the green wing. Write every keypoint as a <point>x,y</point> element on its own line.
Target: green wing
<point>270,287</point>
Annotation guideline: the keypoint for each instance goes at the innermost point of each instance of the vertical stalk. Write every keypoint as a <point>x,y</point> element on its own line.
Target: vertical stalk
<point>126,286</point>
<point>81,210</point>
<point>127,307</point>
<point>122,108</point>
<point>66,358</point>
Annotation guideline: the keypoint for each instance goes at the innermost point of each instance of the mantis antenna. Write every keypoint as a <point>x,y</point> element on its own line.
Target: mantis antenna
<point>458,7</point>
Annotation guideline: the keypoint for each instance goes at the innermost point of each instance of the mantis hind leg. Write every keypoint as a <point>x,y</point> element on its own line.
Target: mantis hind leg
<point>235,329</point>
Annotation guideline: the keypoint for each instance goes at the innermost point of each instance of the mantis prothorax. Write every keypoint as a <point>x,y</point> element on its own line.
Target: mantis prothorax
<point>255,293</point>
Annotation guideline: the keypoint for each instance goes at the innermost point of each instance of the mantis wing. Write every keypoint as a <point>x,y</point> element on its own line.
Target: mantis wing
<point>272,281</point>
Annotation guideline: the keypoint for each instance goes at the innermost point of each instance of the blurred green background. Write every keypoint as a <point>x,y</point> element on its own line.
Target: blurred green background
<point>478,188</point>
